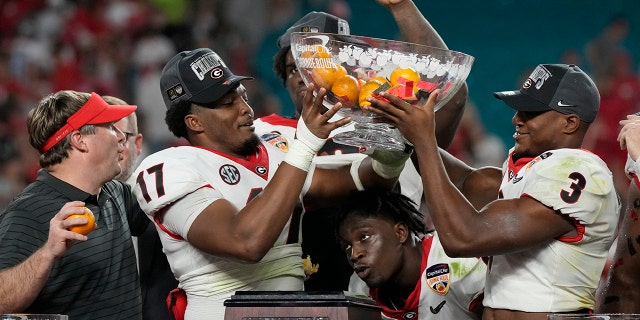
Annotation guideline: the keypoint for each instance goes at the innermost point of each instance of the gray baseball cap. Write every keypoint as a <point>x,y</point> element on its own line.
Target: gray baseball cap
<point>315,21</point>
<point>560,87</point>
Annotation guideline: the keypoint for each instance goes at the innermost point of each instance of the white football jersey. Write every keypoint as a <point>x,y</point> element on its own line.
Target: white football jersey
<point>561,275</point>
<point>171,178</point>
<point>449,288</point>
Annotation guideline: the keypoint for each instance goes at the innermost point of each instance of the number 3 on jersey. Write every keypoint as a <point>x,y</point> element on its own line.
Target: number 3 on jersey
<point>579,183</point>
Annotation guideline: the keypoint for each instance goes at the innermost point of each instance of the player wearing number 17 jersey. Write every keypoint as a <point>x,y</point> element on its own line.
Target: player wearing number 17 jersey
<point>177,184</point>
<point>554,212</point>
<point>222,206</point>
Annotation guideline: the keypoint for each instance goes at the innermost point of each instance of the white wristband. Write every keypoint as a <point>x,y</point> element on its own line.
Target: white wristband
<point>299,155</point>
<point>389,163</point>
<point>303,148</point>
<point>355,165</point>
<point>307,137</point>
<point>386,171</point>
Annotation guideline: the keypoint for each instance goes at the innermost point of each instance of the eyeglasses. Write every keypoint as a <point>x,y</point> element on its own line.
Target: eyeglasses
<point>128,135</point>
<point>111,126</point>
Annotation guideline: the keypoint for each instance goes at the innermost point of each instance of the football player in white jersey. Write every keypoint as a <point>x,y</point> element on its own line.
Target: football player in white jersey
<point>317,225</point>
<point>403,264</point>
<point>620,294</point>
<point>222,205</point>
<point>554,219</point>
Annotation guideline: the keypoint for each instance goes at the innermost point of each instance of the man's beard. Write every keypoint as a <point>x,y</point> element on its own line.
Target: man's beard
<point>250,146</point>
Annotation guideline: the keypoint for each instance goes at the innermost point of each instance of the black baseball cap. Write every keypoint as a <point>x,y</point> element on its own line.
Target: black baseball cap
<point>315,21</point>
<point>199,76</point>
<point>560,87</point>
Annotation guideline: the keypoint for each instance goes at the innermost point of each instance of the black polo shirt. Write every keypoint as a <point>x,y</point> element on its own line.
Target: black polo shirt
<point>94,279</point>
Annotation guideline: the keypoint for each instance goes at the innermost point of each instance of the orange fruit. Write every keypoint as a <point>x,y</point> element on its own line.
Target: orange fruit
<point>367,89</point>
<point>84,228</point>
<point>400,76</point>
<point>347,88</point>
<point>324,77</point>
<point>340,71</point>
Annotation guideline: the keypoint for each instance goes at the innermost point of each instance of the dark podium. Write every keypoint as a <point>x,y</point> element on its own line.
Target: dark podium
<point>300,305</point>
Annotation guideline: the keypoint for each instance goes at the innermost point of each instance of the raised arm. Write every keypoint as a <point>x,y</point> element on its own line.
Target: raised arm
<point>415,28</point>
<point>499,227</point>
<point>248,233</point>
<point>21,284</point>
<point>480,186</point>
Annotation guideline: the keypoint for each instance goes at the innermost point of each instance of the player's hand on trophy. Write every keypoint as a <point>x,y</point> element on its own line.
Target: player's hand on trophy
<point>315,119</point>
<point>415,122</point>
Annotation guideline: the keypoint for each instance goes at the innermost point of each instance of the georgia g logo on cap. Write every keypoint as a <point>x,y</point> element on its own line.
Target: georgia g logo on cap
<point>538,76</point>
<point>217,73</point>
<point>207,63</point>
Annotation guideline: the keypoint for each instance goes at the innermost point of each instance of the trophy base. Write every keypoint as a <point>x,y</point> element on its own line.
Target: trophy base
<point>372,136</point>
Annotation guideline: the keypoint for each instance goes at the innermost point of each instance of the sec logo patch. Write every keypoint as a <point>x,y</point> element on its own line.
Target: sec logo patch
<point>229,174</point>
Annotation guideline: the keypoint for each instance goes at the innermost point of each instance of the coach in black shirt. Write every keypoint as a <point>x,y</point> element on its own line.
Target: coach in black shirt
<point>45,268</point>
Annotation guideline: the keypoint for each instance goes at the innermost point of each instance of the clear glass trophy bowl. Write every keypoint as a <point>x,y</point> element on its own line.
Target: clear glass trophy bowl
<point>352,68</point>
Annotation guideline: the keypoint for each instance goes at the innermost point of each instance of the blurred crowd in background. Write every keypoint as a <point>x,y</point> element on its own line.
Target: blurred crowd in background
<point>118,48</point>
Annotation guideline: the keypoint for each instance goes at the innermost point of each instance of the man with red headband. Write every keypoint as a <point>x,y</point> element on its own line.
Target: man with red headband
<point>44,267</point>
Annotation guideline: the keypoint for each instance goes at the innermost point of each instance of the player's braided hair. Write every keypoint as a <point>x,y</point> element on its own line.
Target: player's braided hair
<point>384,204</point>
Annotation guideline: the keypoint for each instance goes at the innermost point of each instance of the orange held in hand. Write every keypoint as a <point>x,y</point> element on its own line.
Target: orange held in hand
<point>84,229</point>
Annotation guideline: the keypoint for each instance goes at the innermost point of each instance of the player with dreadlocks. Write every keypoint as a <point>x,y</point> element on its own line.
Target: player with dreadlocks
<point>402,262</point>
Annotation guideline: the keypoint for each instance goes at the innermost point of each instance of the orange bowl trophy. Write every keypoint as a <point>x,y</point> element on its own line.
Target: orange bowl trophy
<point>352,68</point>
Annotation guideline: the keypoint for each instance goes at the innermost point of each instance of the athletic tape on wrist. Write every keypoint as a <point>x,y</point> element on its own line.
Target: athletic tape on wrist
<point>386,171</point>
<point>303,148</point>
<point>355,165</point>
<point>307,137</point>
<point>299,155</point>
<point>391,157</point>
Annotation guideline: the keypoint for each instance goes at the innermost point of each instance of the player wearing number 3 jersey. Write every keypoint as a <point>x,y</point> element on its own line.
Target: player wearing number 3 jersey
<point>577,185</point>
<point>554,212</point>
<point>223,205</point>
